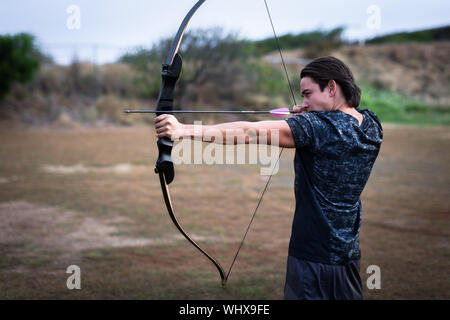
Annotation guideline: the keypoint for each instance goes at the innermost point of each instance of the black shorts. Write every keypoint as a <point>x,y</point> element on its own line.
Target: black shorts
<point>306,280</point>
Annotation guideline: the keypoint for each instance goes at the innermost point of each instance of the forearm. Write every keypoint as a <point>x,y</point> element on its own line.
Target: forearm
<point>238,132</point>
<point>272,132</point>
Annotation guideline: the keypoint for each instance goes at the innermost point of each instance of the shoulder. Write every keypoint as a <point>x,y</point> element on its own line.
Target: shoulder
<point>372,119</point>
<point>318,120</point>
<point>311,118</point>
<point>370,114</point>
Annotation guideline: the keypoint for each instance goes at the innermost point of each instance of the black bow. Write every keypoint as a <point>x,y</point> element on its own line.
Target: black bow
<point>171,70</point>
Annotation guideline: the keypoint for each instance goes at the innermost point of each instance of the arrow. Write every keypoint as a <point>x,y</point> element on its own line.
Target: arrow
<point>280,111</point>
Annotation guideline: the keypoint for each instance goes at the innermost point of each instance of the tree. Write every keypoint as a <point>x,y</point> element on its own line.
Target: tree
<point>211,58</point>
<point>18,60</point>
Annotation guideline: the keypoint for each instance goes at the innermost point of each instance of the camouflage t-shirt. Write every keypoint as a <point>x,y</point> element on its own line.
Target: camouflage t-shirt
<point>333,160</point>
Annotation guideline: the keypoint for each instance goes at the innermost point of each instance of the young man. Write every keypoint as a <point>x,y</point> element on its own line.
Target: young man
<point>336,147</point>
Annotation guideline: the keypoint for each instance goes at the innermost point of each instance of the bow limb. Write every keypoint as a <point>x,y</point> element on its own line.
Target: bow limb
<point>171,70</point>
<point>167,200</point>
<point>179,36</point>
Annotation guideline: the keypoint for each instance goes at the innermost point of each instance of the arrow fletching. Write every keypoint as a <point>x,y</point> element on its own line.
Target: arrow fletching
<point>280,111</point>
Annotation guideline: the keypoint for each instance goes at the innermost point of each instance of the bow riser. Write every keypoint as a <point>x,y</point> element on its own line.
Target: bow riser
<point>170,75</point>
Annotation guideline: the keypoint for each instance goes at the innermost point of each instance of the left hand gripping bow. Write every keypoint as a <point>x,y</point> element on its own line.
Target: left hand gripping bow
<point>171,70</point>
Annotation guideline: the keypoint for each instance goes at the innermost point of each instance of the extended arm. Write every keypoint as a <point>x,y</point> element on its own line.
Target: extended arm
<point>272,132</point>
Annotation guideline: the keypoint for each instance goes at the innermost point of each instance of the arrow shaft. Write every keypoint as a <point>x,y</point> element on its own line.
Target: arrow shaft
<point>198,111</point>
<point>211,111</point>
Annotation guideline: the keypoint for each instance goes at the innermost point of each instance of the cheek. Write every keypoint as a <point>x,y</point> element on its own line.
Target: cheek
<point>316,102</point>
<point>320,100</point>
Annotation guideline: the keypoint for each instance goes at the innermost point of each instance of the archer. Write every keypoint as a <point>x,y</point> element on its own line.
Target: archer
<point>336,147</point>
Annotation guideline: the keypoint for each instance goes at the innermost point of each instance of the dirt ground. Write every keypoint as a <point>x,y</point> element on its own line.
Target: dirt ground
<point>89,197</point>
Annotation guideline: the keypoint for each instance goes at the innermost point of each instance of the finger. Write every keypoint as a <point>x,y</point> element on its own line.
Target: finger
<point>163,134</point>
<point>159,130</point>
<point>297,109</point>
<point>171,118</point>
<point>162,123</point>
<point>160,118</point>
<point>300,109</point>
<point>162,129</point>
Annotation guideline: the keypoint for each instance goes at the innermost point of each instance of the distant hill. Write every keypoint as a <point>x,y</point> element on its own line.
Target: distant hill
<point>428,35</point>
<point>332,39</point>
<point>417,70</point>
<point>318,39</point>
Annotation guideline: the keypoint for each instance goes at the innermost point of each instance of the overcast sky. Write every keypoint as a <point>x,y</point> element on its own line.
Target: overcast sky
<point>108,28</point>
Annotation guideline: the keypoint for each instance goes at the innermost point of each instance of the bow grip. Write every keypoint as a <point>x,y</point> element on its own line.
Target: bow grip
<point>170,74</point>
<point>164,163</point>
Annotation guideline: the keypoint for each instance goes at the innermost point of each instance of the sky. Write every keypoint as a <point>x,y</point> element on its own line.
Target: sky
<point>103,30</point>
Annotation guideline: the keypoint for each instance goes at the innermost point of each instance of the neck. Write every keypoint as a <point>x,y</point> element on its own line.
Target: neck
<point>343,106</point>
<point>346,108</point>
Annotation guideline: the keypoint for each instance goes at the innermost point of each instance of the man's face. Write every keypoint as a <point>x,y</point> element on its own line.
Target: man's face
<point>313,98</point>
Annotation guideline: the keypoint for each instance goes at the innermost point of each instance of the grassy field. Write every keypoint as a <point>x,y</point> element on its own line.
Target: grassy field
<point>89,197</point>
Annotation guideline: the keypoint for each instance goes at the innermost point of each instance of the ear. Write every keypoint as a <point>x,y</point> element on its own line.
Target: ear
<point>332,87</point>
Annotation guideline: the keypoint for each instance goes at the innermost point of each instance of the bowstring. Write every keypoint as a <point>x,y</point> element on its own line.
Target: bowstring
<point>279,155</point>
<point>281,54</point>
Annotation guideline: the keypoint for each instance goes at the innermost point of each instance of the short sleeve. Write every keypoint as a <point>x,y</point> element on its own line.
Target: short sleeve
<point>302,130</point>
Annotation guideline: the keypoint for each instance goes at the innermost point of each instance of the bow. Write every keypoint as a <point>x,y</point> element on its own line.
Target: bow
<point>171,70</point>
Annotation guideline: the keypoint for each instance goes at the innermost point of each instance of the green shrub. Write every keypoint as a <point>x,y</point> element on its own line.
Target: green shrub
<point>394,107</point>
<point>18,61</point>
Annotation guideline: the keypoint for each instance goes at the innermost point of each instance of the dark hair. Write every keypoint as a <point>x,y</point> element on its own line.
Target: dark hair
<point>324,69</point>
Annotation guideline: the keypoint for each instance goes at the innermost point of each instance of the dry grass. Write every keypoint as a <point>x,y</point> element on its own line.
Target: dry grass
<point>417,70</point>
<point>89,197</point>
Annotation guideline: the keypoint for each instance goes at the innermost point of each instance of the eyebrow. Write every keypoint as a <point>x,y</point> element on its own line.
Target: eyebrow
<point>303,92</point>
